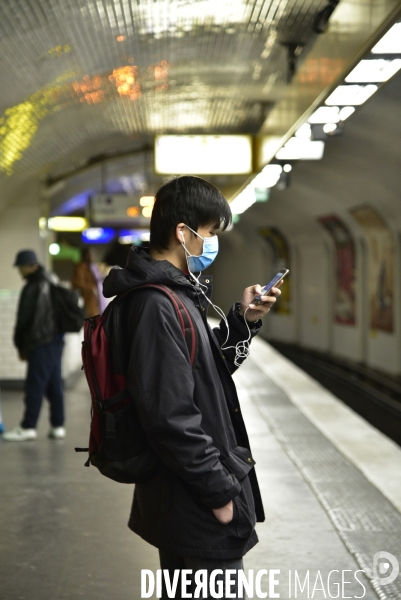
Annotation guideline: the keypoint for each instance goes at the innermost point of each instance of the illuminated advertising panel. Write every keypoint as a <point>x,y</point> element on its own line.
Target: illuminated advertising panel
<point>203,154</point>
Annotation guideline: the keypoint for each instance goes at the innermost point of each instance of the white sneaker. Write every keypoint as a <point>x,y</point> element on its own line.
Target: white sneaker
<point>20,435</point>
<point>57,433</point>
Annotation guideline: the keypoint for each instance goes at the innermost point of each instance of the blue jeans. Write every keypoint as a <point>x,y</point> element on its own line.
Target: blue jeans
<point>44,379</point>
<point>171,562</point>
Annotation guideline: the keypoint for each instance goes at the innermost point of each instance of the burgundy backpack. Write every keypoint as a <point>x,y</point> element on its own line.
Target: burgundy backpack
<point>117,444</point>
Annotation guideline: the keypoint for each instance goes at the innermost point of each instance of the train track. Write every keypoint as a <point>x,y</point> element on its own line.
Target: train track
<point>373,395</point>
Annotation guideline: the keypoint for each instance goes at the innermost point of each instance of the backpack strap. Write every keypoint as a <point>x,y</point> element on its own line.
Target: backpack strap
<point>187,326</point>
<point>184,318</point>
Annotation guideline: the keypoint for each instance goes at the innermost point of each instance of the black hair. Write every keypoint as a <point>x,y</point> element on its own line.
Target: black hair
<point>190,200</point>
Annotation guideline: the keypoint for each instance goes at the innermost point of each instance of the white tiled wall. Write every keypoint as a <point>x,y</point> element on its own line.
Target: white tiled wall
<point>10,365</point>
<point>18,231</point>
<point>72,361</point>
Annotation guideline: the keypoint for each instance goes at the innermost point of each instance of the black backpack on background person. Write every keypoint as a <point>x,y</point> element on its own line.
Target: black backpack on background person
<point>68,309</point>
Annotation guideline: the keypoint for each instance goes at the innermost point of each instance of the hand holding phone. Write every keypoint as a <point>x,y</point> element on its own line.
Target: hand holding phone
<point>267,289</point>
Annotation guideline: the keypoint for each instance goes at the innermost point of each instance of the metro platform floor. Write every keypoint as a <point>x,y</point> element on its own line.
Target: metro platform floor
<point>331,486</point>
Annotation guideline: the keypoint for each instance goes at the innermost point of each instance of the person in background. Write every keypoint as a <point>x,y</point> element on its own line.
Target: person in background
<point>88,279</point>
<point>39,343</point>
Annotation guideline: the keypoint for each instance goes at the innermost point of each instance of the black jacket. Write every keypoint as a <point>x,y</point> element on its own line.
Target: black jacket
<point>35,324</point>
<point>191,417</point>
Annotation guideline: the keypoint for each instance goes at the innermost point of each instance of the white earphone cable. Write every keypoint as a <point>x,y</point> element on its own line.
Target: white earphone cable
<point>242,348</point>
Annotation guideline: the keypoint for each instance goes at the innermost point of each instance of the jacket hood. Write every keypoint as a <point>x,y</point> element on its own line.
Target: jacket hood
<point>140,269</point>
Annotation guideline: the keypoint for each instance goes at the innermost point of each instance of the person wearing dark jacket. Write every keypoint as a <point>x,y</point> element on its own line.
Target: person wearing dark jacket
<point>38,342</point>
<point>200,506</point>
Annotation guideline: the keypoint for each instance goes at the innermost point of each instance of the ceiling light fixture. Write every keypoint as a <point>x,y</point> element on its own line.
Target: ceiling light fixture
<point>266,179</point>
<point>390,42</point>
<point>299,149</point>
<point>351,94</point>
<point>325,114</point>
<point>147,201</point>
<point>54,249</point>
<point>133,211</point>
<point>304,132</point>
<point>147,211</point>
<point>67,223</point>
<point>377,70</point>
<point>203,154</point>
<point>346,112</point>
<point>329,127</point>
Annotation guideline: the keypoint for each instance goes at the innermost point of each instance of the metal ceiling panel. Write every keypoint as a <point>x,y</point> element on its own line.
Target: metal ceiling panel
<point>77,71</point>
<point>354,27</point>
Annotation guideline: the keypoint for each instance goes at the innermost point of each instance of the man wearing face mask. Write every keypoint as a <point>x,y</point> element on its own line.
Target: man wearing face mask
<point>201,505</point>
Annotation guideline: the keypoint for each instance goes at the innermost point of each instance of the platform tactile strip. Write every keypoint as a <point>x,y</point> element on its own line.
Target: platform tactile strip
<point>365,519</point>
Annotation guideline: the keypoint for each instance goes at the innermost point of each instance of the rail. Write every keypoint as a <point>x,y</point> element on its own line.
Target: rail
<point>373,395</point>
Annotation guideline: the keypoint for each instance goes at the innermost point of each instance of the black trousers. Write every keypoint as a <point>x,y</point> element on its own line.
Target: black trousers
<point>44,379</point>
<point>171,562</point>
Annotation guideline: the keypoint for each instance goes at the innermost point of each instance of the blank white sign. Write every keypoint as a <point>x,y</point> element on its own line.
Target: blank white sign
<point>203,154</point>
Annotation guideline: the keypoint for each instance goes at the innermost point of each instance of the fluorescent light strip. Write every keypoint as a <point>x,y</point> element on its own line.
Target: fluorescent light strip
<point>203,154</point>
<point>266,179</point>
<point>390,42</point>
<point>67,223</point>
<point>351,94</point>
<point>329,127</point>
<point>346,112</point>
<point>299,149</point>
<point>304,132</point>
<point>374,71</point>
<point>325,114</point>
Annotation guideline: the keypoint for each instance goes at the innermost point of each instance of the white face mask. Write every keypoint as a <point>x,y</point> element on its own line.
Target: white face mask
<point>209,253</point>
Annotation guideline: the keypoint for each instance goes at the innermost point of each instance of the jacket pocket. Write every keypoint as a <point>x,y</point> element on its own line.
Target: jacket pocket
<point>244,514</point>
<point>239,462</point>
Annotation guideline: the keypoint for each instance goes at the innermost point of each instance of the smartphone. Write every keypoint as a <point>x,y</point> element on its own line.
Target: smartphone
<point>265,291</point>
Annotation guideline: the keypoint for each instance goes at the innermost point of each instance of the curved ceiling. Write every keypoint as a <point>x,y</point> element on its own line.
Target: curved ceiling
<point>362,166</point>
<point>81,77</point>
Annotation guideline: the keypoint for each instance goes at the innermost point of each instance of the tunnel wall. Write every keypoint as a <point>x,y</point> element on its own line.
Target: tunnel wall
<point>19,230</point>
<point>310,323</point>
<point>360,169</point>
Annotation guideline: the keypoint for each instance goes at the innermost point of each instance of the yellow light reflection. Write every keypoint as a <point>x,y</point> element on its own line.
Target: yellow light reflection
<point>147,201</point>
<point>17,128</point>
<point>125,80</point>
<point>19,123</point>
<point>67,223</point>
<point>89,89</point>
<point>147,211</point>
<point>59,50</point>
<point>132,211</point>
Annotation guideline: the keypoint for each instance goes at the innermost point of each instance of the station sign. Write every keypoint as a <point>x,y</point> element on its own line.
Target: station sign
<point>116,209</point>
